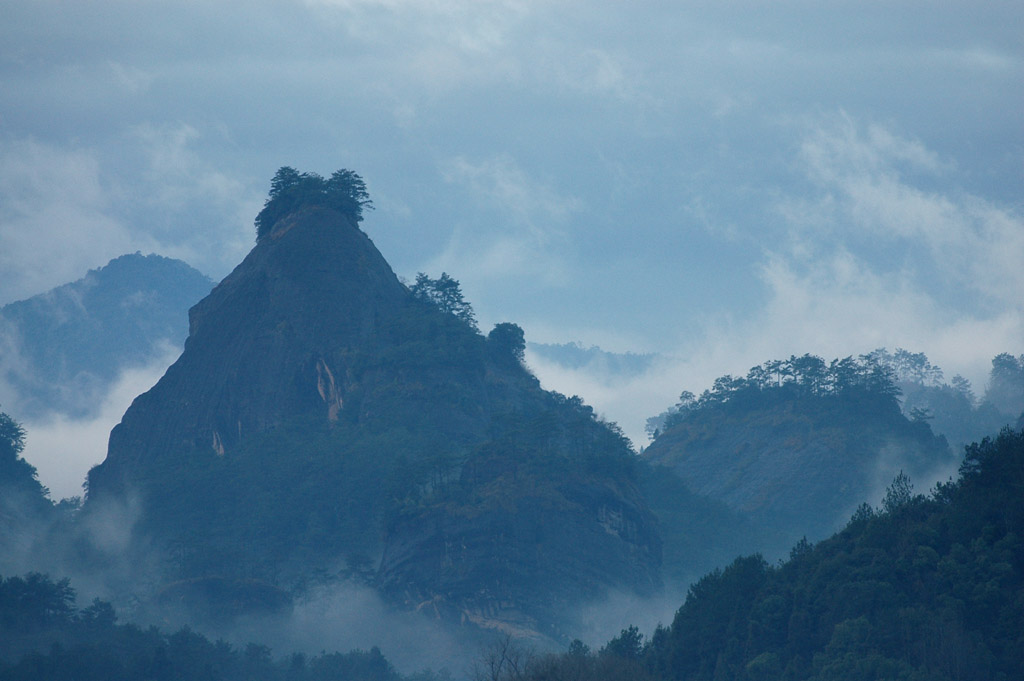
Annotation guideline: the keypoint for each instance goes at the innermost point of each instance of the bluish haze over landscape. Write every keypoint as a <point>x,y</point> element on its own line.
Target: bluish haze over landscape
<point>718,183</point>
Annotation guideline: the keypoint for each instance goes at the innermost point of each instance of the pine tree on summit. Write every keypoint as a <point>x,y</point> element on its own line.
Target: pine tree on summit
<point>345,192</point>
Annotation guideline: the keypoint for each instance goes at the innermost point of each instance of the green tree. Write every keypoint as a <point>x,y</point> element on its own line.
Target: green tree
<point>16,474</point>
<point>508,339</point>
<point>347,193</point>
<point>446,294</point>
<point>898,494</point>
<point>284,179</point>
<point>628,645</point>
<point>290,190</point>
<point>12,436</point>
<point>1006,384</point>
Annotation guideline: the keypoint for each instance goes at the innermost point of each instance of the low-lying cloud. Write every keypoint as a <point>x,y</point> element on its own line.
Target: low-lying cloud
<point>64,449</point>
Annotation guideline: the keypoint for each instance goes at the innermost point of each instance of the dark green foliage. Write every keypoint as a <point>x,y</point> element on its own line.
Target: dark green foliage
<point>291,190</point>
<point>18,479</point>
<point>559,435</point>
<point>544,514</point>
<point>508,340</point>
<point>446,294</point>
<point>34,602</point>
<point>952,409</point>
<point>1006,384</point>
<point>12,436</point>
<point>370,665</point>
<point>863,378</point>
<point>44,636</point>
<point>796,444</point>
<point>628,645</point>
<point>927,588</point>
<point>14,470</point>
<point>899,494</point>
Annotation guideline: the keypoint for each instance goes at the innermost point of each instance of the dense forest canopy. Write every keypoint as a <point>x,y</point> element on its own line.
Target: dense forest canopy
<point>952,408</point>
<point>344,191</point>
<point>12,437</point>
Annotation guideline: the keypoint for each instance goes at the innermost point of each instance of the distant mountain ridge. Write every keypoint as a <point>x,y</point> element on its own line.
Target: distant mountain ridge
<point>576,356</point>
<point>60,350</point>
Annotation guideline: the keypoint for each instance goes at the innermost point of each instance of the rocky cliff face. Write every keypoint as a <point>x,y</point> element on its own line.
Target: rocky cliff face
<point>544,516</point>
<point>321,416</point>
<point>266,344</point>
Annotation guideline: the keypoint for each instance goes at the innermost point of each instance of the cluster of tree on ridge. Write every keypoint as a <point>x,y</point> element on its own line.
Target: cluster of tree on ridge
<point>903,377</point>
<point>344,191</point>
<point>952,408</point>
<point>804,376</point>
<point>445,294</point>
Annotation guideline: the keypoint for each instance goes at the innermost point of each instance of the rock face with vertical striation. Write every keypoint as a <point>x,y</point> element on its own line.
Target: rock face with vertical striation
<point>324,423</point>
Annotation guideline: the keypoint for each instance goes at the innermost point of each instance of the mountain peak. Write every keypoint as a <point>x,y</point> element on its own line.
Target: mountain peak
<point>322,414</point>
<point>263,345</point>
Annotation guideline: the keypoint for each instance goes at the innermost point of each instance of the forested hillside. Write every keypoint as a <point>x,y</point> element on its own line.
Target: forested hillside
<point>797,444</point>
<point>332,434</point>
<point>924,587</point>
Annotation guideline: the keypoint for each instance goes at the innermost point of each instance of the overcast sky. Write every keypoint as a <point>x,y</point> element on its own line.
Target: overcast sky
<point>719,182</point>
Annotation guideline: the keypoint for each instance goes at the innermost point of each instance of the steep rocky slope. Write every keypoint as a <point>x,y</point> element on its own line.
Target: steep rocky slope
<point>267,343</point>
<point>549,498</point>
<point>321,416</point>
